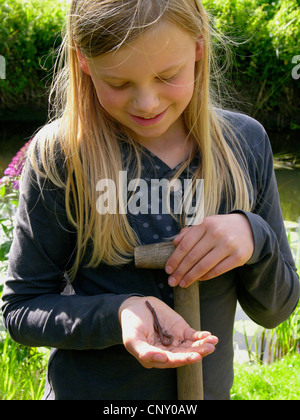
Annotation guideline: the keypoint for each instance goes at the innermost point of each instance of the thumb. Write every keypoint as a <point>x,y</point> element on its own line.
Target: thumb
<point>146,354</point>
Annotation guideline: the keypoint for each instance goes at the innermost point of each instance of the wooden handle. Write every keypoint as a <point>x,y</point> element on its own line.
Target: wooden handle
<point>186,304</point>
<point>189,378</point>
<point>154,255</point>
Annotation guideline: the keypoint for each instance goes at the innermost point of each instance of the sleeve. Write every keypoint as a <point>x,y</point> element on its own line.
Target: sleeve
<point>268,285</point>
<point>35,311</point>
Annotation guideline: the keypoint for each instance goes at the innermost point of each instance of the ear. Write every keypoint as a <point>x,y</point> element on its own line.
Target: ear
<point>199,48</point>
<point>82,61</point>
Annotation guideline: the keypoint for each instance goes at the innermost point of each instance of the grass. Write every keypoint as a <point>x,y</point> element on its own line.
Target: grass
<point>23,371</point>
<point>278,381</point>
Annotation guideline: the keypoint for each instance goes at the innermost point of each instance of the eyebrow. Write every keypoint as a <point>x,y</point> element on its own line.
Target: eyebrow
<point>168,70</point>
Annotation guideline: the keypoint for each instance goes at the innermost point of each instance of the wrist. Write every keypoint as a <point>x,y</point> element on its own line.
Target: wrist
<point>127,303</point>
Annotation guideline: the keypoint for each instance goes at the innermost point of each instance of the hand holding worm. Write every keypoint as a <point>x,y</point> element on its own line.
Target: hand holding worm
<point>161,339</point>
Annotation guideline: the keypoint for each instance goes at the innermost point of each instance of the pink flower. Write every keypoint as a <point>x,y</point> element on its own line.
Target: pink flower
<point>14,169</point>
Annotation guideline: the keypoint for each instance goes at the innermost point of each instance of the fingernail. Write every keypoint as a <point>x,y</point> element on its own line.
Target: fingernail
<point>208,348</point>
<point>169,269</point>
<point>182,284</point>
<point>179,236</point>
<point>172,282</point>
<point>177,239</point>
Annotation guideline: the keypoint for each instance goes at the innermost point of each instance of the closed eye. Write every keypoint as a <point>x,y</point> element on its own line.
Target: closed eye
<point>167,79</point>
<point>127,84</point>
<point>122,86</point>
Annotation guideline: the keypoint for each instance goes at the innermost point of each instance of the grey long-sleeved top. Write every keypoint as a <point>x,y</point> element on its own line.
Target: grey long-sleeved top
<point>88,360</point>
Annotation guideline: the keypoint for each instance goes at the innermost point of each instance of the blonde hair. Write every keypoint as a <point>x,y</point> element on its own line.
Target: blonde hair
<point>89,138</point>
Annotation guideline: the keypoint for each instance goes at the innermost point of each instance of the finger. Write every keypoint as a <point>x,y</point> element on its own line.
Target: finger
<point>207,343</point>
<point>204,349</point>
<point>163,359</point>
<point>191,334</point>
<point>198,338</point>
<point>153,357</point>
<point>185,246</point>
<point>223,267</point>
<point>201,337</point>
<point>147,354</point>
<point>196,254</point>
<point>182,233</point>
<point>183,358</point>
<point>207,264</point>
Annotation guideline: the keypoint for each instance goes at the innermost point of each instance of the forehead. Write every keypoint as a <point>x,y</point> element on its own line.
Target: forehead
<point>166,44</point>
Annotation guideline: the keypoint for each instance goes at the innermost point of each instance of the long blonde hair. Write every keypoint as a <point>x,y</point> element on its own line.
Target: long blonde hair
<point>89,138</point>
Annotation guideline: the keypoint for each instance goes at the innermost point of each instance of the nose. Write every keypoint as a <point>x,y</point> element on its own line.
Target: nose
<point>145,101</point>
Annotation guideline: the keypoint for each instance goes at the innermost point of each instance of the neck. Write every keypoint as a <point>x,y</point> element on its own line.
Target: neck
<point>173,147</point>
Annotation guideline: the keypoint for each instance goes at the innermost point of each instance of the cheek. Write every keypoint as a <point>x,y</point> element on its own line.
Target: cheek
<point>181,93</point>
<point>109,99</point>
<point>186,85</point>
<point>183,88</point>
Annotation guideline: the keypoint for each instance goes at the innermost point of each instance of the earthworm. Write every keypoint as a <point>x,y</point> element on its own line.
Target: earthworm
<point>165,338</point>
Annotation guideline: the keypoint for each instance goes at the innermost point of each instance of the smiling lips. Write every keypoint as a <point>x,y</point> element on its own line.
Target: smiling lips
<point>147,121</point>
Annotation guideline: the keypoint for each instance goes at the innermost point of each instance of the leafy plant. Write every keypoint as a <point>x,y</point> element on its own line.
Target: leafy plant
<point>279,381</point>
<point>23,371</point>
<point>30,31</point>
<point>267,346</point>
<point>267,38</point>
<point>22,368</point>
<point>9,199</point>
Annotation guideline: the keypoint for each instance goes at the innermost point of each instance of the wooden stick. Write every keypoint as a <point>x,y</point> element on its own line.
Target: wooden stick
<point>189,378</point>
<point>153,255</point>
<point>186,304</point>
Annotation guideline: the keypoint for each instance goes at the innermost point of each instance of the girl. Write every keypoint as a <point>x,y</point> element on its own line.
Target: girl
<point>134,97</point>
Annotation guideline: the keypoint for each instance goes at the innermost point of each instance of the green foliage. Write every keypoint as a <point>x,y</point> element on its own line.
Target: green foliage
<point>271,345</point>
<point>267,38</point>
<point>30,31</point>
<point>279,381</point>
<point>8,205</point>
<point>23,371</point>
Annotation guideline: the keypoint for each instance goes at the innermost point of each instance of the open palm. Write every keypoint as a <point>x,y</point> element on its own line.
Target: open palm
<point>144,342</point>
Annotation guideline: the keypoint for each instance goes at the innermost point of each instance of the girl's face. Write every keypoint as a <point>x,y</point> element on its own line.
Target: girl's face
<point>147,85</point>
